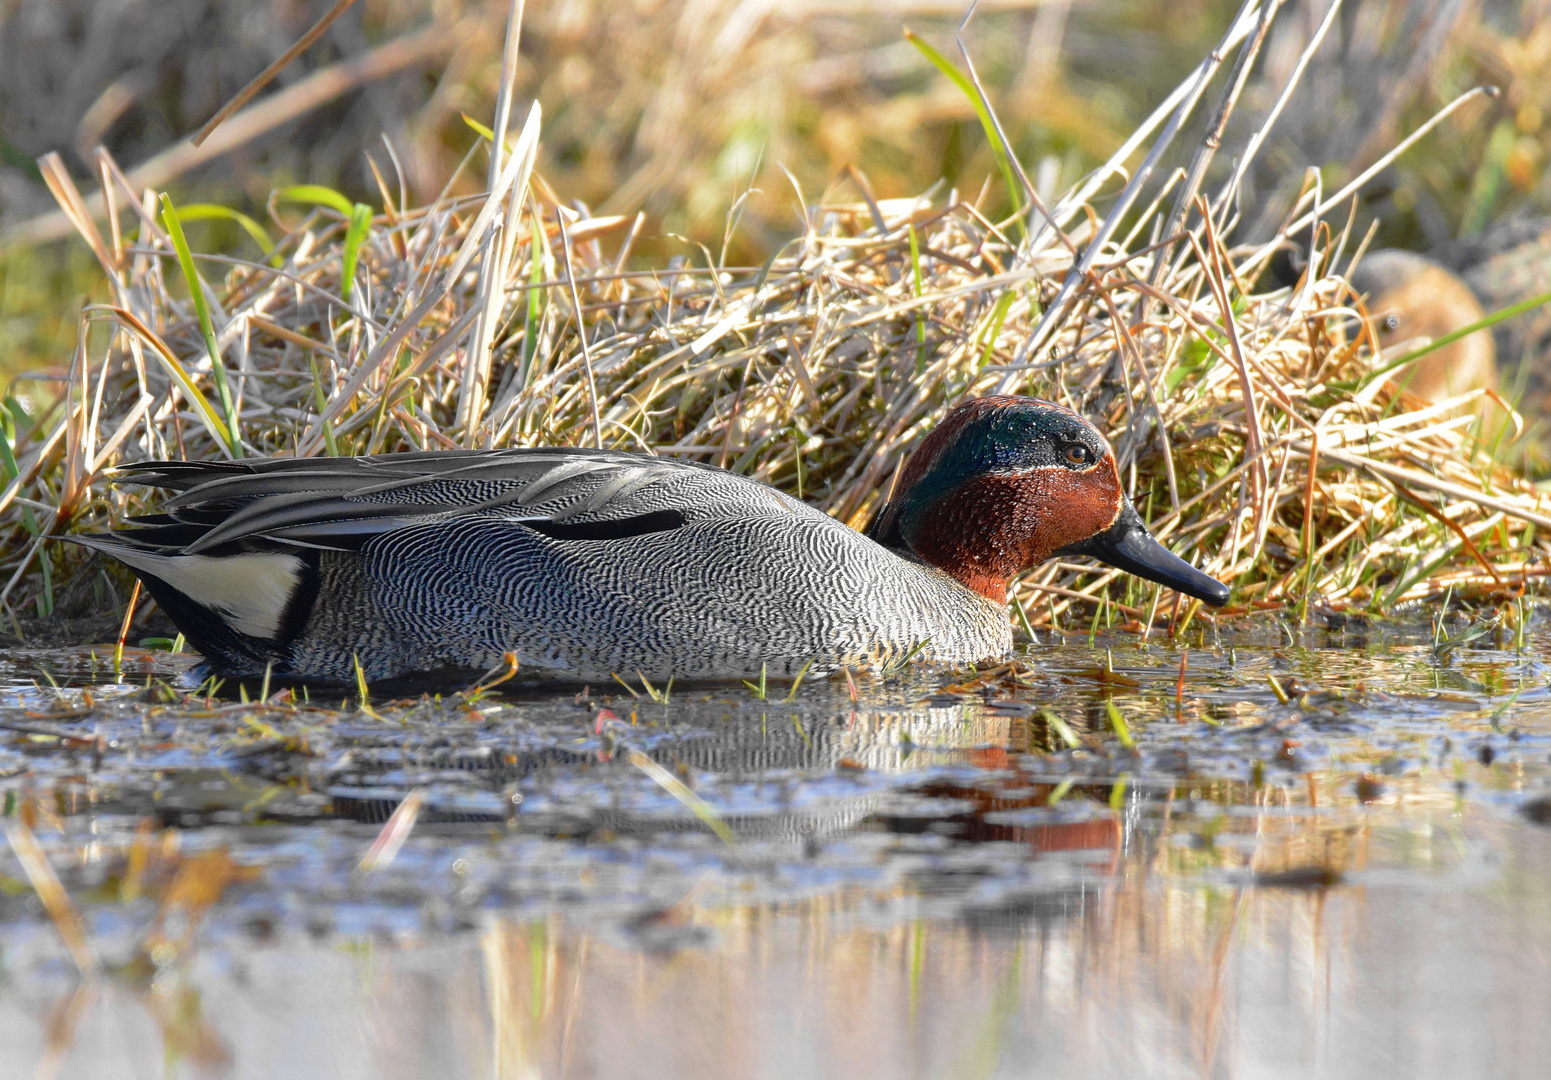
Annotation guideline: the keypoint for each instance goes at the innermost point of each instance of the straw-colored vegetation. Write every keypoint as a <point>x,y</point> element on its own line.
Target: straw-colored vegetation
<point>502,319</point>
<point>806,87</point>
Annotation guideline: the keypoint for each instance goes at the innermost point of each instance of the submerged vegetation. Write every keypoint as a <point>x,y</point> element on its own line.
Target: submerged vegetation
<point>1260,436</point>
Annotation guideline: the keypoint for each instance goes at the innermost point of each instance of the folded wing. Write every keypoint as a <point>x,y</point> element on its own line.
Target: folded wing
<point>341,503</point>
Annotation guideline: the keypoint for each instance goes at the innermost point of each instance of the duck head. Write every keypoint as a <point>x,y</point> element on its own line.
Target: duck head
<point>1004,483</point>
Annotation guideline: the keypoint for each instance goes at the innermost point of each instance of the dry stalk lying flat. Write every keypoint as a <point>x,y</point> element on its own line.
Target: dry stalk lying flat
<point>1243,419</point>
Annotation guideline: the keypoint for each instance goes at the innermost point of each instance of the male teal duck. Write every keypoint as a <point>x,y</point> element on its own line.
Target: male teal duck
<point>585,563</point>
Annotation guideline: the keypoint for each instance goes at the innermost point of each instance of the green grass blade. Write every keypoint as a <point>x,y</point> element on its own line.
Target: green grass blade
<point>998,316</point>
<point>8,455</point>
<point>196,288</point>
<point>355,236</point>
<point>895,667</point>
<point>484,132</point>
<point>322,400</point>
<point>18,416</point>
<point>758,688</point>
<point>967,88</point>
<point>792,693</point>
<point>216,212</point>
<point>360,681</point>
<point>1023,617</point>
<point>176,372</point>
<point>318,195</point>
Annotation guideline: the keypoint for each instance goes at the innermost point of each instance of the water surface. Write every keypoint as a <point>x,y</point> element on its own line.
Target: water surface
<point>948,876</point>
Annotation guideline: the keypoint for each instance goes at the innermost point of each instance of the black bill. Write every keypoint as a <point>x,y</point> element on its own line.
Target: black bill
<point>1127,545</point>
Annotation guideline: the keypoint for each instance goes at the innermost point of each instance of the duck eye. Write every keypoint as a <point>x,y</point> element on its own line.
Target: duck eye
<point>1078,454</point>
<point>1392,321</point>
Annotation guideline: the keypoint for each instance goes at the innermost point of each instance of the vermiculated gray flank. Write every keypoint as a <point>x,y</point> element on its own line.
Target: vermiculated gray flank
<point>583,563</point>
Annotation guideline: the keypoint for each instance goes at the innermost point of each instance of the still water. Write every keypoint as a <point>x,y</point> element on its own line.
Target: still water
<point>944,876</point>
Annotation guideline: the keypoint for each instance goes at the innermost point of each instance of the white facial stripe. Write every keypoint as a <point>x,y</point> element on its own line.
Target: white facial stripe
<point>249,591</point>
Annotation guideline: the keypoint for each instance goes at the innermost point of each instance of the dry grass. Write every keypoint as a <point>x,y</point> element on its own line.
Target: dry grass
<point>808,87</point>
<point>501,319</point>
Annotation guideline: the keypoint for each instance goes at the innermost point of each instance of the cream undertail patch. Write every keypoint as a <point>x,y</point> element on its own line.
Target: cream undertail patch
<point>249,591</point>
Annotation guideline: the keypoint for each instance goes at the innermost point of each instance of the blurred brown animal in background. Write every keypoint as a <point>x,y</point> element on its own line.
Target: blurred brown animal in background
<point>1411,297</point>
<point>1506,264</point>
